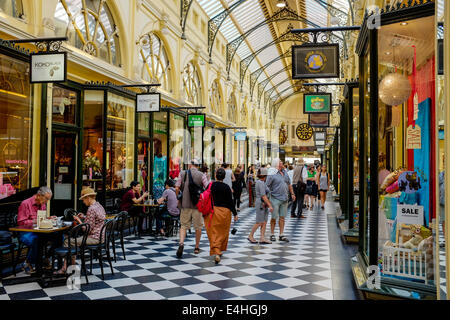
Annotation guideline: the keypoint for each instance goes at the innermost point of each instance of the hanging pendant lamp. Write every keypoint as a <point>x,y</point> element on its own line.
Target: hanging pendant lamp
<point>395,88</point>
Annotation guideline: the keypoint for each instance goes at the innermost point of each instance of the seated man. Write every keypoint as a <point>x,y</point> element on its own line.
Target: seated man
<point>95,217</point>
<point>131,198</point>
<point>170,196</point>
<point>27,216</point>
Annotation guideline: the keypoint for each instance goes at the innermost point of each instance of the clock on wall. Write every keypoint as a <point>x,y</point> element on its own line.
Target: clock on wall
<point>304,131</point>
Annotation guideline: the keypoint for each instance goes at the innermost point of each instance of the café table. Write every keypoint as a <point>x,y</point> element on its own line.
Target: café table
<point>149,211</point>
<point>43,235</point>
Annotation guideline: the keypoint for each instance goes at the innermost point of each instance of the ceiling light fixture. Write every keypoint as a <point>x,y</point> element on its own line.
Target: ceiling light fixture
<point>404,23</point>
<point>281,4</point>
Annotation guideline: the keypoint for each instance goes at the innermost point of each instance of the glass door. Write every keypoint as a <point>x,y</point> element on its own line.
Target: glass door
<point>64,171</point>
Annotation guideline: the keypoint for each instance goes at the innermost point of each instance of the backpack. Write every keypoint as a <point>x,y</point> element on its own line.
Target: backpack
<point>205,203</point>
<point>194,190</point>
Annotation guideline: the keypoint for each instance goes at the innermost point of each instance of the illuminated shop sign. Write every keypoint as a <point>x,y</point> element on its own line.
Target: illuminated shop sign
<point>48,67</point>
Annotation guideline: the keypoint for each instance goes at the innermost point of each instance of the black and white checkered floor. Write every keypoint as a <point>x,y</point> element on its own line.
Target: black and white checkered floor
<point>299,269</point>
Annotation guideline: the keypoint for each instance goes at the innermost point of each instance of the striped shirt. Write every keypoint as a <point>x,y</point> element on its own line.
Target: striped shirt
<point>95,217</point>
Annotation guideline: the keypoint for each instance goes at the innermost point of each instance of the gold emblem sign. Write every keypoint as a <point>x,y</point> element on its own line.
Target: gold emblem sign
<point>304,131</point>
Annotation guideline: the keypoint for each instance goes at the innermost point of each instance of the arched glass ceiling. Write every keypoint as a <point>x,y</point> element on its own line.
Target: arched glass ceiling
<point>250,13</point>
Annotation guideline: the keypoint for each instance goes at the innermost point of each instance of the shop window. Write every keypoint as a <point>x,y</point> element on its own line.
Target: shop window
<point>92,167</point>
<point>144,125</point>
<point>215,98</point>
<point>64,105</point>
<point>154,61</point>
<point>177,142</point>
<point>90,27</point>
<point>120,142</point>
<point>12,8</point>
<point>15,126</point>
<point>191,84</point>
<point>406,72</point>
<point>160,139</point>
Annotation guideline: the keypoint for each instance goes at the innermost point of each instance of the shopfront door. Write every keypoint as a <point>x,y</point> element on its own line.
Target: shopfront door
<point>63,171</point>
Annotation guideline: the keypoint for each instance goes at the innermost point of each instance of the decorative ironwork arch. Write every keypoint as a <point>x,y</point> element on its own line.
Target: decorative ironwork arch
<point>232,108</point>
<point>13,8</point>
<point>284,14</point>
<point>94,28</point>
<point>215,23</point>
<point>191,84</point>
<point>156,64</point>
<point>215,98</point>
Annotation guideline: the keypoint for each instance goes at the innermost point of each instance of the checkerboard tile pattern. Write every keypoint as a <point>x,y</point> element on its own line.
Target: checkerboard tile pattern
<point>298,270</point>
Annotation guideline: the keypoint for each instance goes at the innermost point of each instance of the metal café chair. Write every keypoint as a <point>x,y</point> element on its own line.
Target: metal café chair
<point>102,249</point>
<point>75,247</point>
<point>121,218</point>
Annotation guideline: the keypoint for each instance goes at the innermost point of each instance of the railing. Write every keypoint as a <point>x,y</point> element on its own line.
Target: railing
<point>404,262</point>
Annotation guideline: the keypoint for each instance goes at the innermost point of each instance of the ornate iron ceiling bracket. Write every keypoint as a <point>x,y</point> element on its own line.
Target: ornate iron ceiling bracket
<point>185,6</point>
<point>215,23</point>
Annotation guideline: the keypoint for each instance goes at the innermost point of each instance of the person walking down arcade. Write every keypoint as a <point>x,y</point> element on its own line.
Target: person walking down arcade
<point>190,183</point>
<point>218,223</point>
<point>280,186</point>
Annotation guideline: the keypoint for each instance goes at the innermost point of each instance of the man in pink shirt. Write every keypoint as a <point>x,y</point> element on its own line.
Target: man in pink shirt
<point>26,215</point>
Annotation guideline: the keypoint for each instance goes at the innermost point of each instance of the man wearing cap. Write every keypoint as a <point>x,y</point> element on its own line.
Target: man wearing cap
<point>299,186</point>
<point>189,212</point>
<point>95,217</point>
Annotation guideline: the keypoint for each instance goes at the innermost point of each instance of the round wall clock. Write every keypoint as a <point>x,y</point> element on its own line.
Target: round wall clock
<point>304,131</point>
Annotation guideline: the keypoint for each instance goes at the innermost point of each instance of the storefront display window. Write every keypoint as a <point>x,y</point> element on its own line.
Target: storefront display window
<point>15,126</point>
<point>176,158</point>
<point>143,150</point>
<point>120,141</point>
<point>219,143</point>
<point>159,153</point>
<point>406,74</point>
<point>64,105</point>
<point>92,167</point>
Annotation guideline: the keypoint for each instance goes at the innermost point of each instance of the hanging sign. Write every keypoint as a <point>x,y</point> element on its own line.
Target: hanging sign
<point>304,131</point>
<point>413,137</point>
<point>148,102</point>
<point>409,214</point>
<point>317,103</point>
<point>240,136</point>
<point>320,120</point>
<point>196,120</point>
<point>48,67</point>
<point>315,61</point>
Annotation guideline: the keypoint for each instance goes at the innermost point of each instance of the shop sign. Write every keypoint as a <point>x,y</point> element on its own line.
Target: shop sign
<point>315,61</point>
<point>413,137</point>
<point>240,136</point>
<point>317,103</point>
<point>320,120</point>
<point>409,214</point>
<point>159,127</point>
<point>304,131</point>
<point>148,102</point>
<point>196,120</point>
<point>48,67</point>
